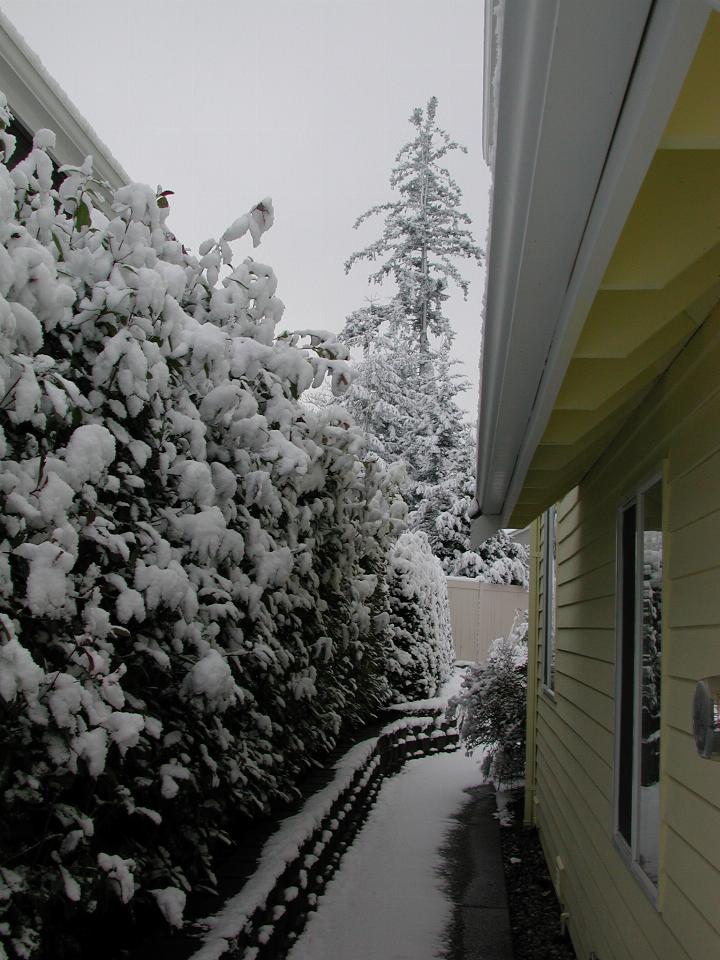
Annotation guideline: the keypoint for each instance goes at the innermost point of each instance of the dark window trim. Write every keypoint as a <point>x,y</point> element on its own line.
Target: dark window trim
<point>549,655</point>
<point>628,610</point>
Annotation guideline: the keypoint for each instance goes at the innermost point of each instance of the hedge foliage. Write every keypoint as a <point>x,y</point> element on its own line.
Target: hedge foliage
<point>193,591</point>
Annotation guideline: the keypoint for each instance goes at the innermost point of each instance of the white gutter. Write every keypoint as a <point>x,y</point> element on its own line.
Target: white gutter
<point>543,273</point>
<point>493,42</point>
<point>672,37</point>
<point>37,100</point>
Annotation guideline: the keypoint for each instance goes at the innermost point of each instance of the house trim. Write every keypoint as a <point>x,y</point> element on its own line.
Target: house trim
<point>541,336</point>
<point>40,103</point>
<point>627,851</point>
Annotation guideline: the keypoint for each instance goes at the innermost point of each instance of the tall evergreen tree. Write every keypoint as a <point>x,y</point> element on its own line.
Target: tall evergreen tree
<point>425,232</point>
<point>405,392</point>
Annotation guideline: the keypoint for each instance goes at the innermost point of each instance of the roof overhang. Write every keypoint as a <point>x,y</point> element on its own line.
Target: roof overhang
<point>584,95</point>
<point>37,100</point>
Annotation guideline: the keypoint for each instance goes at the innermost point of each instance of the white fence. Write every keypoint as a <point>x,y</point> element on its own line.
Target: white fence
<point>480,612</point>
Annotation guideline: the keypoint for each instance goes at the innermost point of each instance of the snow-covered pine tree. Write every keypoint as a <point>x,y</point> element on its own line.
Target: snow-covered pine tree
<point>443,516</point>
<point>404,394</point>
<point>425,232</point>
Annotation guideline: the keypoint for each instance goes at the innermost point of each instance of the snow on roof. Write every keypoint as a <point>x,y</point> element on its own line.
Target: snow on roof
<point>39,101</point>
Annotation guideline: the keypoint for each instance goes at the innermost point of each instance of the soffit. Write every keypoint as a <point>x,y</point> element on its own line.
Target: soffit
<point>565,67</point>
<point>661,283</point>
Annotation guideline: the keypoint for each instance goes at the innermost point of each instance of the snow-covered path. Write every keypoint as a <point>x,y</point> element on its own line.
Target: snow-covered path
<point>386,902</point>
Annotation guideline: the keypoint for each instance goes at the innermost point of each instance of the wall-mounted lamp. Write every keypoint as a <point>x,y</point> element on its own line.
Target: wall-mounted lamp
<point>706,718</point>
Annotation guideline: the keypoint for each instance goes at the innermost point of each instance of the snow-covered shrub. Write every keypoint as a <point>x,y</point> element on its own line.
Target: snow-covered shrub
<point>491,705</point>
<point>419,618</point>
<point>443,515</point>
<point>497,560</point>
<point>192,564</point>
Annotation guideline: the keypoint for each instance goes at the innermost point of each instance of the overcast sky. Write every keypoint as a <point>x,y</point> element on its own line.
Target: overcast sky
<point>306,101</point>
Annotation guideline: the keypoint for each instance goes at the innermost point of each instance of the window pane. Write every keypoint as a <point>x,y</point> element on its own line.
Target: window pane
<point>649,787</point>
<point>550,598</point>
<point>626,666</point>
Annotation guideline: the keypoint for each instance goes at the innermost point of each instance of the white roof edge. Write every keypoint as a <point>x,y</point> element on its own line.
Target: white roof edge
<point>668,45</point>
<point>483,527</point>
<point>491,42</point>
<point>38,101</point>
<point>513,172</point>
<point>672,37</point>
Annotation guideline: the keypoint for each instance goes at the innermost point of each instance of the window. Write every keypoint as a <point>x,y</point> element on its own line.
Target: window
<point>549,599</point>
<point>639,657</point>
<point>23,146</point>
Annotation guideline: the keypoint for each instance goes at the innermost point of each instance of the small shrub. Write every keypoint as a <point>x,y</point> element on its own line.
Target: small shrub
<point>491,706</point>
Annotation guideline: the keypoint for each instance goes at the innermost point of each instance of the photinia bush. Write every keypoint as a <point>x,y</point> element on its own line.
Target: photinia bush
<point>193,593</point>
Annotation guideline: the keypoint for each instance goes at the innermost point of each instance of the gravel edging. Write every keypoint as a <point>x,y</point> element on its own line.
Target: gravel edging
<point>534,908</point>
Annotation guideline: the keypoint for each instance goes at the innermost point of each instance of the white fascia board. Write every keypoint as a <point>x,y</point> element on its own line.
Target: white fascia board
<point>37,100</point>
<point>673,34</point>
<point>490,51</point>
<point>569,71</point>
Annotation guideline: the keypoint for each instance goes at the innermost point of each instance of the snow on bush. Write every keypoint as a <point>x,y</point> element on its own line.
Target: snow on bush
<point>492,702</point>
<point>444,516</point>
<point>192,564</point>
<point>496,560</point>
<point>419,618</point>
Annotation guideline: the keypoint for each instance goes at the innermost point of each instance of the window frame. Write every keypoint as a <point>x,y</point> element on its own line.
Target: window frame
<point>549,649</point>
<point>629,851</point>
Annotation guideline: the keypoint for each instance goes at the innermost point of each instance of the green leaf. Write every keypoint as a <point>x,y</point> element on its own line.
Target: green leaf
<point>82,216</point>
<point>162,202</point>
<point>56,241</point>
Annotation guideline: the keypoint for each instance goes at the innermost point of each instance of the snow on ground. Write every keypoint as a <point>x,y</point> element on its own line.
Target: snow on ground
<point>386,901</point>
<point>452,686</point>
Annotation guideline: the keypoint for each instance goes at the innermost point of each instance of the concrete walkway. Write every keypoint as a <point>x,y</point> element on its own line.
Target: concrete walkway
<point>428,883</point>
<point>473,871</point>
<point>424,878</point>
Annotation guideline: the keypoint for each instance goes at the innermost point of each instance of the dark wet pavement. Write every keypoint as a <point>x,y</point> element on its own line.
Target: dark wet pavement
<point>475,882</point>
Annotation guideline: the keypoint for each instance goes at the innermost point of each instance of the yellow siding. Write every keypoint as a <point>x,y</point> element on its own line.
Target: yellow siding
<point>676,428</point>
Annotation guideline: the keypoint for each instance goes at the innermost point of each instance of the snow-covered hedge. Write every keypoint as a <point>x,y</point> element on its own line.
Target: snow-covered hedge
<point>192,564</point>
<point>419,617</point>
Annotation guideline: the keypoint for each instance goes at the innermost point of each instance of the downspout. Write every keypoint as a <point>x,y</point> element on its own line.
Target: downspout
<point>532,676</point>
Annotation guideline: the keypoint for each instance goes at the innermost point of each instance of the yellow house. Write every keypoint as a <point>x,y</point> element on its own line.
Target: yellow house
<point>600,421</point>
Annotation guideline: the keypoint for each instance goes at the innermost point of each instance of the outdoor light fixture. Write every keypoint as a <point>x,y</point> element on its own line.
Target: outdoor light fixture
<point>706,718</point>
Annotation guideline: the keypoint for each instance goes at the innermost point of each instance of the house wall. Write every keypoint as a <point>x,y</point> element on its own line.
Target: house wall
<point>481,612</point>
<point>676,428</point>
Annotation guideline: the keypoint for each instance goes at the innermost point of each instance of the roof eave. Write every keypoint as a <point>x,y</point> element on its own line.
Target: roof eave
<point>40,103</point>
<point>528,345</point>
